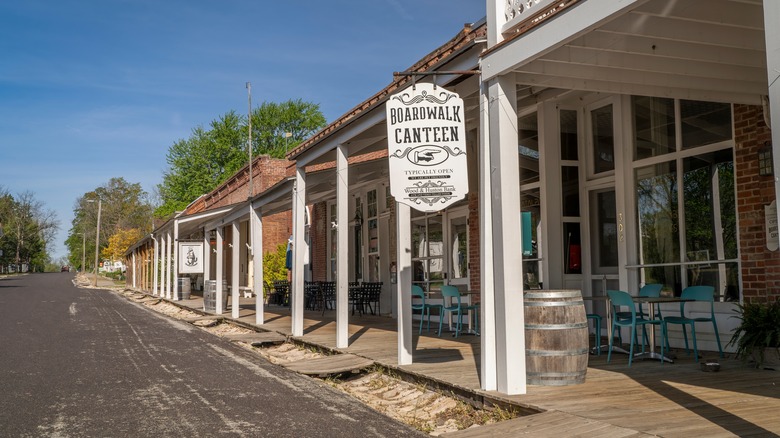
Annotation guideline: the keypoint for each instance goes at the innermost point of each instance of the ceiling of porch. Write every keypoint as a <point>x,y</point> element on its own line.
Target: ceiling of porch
<point>691,49</point>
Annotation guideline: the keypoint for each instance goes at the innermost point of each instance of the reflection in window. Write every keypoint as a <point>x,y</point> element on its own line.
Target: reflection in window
<point>460,250</point>
<point>603,139</point>
<point>568,135</point>
<point>428,252</point>
<point>704,123</point>
<point>606,230</point>
<point>653,126</point>
<point>528,138</point>
<point>531,219</point>
<point>659,240</point>
<point>570,190</point>
<point>572,248</point>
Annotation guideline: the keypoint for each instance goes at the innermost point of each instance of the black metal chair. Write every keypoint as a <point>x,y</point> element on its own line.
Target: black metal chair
<point>327,295</point>
<point>371,293</point>
<point>280,295</point>
<point>311,295</point>
<point>356,297</point>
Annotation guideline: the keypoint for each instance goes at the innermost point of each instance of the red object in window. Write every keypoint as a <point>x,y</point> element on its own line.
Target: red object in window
<point>574,258</point>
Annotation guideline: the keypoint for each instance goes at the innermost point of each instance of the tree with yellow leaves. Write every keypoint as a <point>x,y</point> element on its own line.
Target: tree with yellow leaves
<point>120,242</point>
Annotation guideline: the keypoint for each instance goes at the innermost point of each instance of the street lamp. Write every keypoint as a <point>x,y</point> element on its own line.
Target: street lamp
<point>97,237</point>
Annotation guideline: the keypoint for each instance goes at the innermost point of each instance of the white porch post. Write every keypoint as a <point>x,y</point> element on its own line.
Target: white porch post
<point>135,273</point>
<point>175,267</point>
<point>488,300</point>
<point>772,37</point>
<point>505,190</point>
<point>404,300</point>
<point>206,257</point>
<point>234,265</point>
<point>168,265</point>
<point>256,226</point>
<point>162,265</point>
<point>299,246</point>
<point>156,267</point>
<point>220,239</point>
<point>342,271</point>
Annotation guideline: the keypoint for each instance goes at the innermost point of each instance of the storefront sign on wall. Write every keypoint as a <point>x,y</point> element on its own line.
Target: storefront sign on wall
<point>426,140</point>
<point>770,213</point>
<point>190,257</point>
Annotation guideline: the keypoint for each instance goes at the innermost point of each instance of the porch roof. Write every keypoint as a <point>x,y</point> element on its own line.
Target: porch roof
<point>710,50</point>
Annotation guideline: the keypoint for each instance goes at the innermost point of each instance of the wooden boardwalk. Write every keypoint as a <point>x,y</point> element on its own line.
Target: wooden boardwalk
<point>671,400</point>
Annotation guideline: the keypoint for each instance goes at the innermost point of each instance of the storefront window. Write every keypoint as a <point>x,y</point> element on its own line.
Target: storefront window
<point>568,135</point>
<point>603,139</point>
<point>528,138</point>
<point>653,126</point>
<point>570,190</point>
<point>686,207</point>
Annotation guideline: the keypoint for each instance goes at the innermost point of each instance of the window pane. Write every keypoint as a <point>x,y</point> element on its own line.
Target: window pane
<point>371,203</point>
<point>605,247</point>
<point>603,139</point>
<point>568,134</point>
<point>659,240</point>
<point>528,137</point>
<point>459,239</point>
<point>572,248</point>
<point>373,236</point>
<point>654,126</point>
<point>570,187</point>
<point>704,123</point>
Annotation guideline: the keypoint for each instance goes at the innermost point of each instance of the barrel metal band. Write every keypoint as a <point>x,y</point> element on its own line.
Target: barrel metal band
<point>545,353</point>
<point>553,303</point>
<point>575,325</point>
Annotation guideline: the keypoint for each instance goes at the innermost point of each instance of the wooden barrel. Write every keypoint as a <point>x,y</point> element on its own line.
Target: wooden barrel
<point>556,337</point>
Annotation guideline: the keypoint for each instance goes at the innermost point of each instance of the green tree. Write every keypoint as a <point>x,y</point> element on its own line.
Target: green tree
<point>124,206</point>
<point>210,156</point>
<point>28,228</point>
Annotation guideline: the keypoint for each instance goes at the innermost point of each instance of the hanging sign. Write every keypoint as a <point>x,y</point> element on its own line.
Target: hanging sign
<point>770,215</point>
<point>426,140</point>
<point>190,257</point>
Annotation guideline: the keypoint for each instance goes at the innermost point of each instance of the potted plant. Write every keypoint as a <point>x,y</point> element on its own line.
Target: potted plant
<point>757,336</point>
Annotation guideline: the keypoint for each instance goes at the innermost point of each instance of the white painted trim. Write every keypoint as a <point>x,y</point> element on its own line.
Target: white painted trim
<point>772,37</point>
<point>235,262</point>
<point>342,244</point>
<point>487,298</point>
<point>220,244</point>
<point>404,299</point>
<point>299,248</point>
<point>175,260</point>
<point>258,279</point>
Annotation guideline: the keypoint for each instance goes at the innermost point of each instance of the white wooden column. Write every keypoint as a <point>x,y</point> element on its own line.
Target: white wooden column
<point>156,267</point>
<point>234,265</point>
<point>135,268</point>
<point>168,265</point>
<point>507,272</point>
<point>256,233</point>
<point>342,242</point>
<point>218,277</point>
<point>175,259</point>
<point>299,246</point>
<point>772,37</point>
<point>206,257</point>
<point>404,299</point>
<point>487,304</point>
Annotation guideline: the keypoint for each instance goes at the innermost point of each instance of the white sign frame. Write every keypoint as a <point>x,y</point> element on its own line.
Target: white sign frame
<point>190,257</point>
<point>426,143</point>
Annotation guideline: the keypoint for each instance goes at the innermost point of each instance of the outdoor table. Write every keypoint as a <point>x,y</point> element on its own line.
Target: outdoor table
<point>652,301</point>
<point>608,305</point>
<point>465,300</point>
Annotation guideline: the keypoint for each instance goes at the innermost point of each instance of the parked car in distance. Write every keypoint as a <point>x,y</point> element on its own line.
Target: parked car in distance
<point>65,268</point>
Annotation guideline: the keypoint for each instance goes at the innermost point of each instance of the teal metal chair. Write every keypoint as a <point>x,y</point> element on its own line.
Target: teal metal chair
<point>474,308</point>
<point>652,290</point>
<point>454,307</point>
<point>619,299</point>
<point>423,307</point>
<point>597,321</point>
<point>696,293</point>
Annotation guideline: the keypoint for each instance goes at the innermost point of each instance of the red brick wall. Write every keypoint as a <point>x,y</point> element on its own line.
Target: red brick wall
<point>474,259</point>
<point>319,241</point>
<point>277,228</point>
<point>760,267</point>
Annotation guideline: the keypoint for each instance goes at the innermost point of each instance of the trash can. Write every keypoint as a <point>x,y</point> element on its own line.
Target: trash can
<point>184,288</point>
<point>556,337</point>
<point>210,296</point>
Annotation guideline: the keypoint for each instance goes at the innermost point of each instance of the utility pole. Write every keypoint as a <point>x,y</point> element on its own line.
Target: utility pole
<point>249,146</point>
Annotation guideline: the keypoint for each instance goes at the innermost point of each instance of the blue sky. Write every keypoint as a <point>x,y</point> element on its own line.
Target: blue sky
<point>96,89</point>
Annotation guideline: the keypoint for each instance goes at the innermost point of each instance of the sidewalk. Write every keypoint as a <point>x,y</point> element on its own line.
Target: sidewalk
<point>614,401</point>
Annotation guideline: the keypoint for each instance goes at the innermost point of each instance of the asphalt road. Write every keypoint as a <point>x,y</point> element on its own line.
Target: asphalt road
<point>84,362</point>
